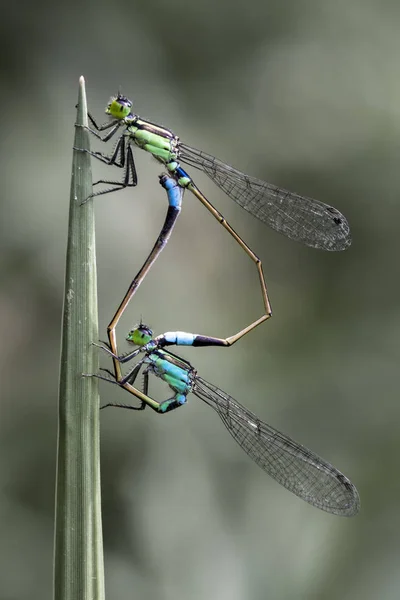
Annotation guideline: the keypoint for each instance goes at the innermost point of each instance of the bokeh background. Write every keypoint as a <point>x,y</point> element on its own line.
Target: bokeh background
<point>304,94</point>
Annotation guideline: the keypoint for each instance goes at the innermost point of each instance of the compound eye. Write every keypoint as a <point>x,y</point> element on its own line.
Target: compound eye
<point>125,104</point>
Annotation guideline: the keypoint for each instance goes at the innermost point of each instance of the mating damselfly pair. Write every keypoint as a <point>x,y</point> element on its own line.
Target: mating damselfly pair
<point>302,219</point>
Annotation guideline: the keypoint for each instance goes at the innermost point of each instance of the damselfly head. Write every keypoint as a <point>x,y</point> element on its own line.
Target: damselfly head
<point>140,335</point>
<point>119,107</point>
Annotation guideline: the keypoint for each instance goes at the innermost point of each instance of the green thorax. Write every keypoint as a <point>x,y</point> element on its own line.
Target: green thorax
<point>153,138</point>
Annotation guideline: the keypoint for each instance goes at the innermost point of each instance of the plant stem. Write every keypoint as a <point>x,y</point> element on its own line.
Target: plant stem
<point>78,558</point>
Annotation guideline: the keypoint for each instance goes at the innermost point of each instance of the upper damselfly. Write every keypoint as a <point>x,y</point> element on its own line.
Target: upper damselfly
<point>300,218</point>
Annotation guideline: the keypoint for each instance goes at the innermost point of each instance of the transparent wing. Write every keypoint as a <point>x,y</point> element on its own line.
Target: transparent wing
<point>300,218</point>
<point>290,464</point>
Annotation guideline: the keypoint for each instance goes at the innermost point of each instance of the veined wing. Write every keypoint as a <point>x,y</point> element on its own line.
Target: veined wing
<point>300,218</point>
<point>290,464</point>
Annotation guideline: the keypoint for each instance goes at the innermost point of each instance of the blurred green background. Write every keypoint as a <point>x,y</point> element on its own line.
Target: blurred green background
<point>303,94</point>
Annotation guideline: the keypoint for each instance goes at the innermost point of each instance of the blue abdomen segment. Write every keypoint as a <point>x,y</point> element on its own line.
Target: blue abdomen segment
<point>174,191</point>
<point>182,338</point>
<point>178,338</point>
<point>180,172</point>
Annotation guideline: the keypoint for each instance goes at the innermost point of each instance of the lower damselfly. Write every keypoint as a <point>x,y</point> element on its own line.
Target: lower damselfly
<point>292,465</point>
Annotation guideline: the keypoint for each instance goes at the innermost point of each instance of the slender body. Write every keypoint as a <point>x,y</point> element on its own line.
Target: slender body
<point>292,465</point>
<point>300,218</point>
<point>163,145</point>
<point>174,196</point>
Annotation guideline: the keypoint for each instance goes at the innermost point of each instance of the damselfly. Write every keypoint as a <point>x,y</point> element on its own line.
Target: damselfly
<point>289,463</point>
<point>300,218</point>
